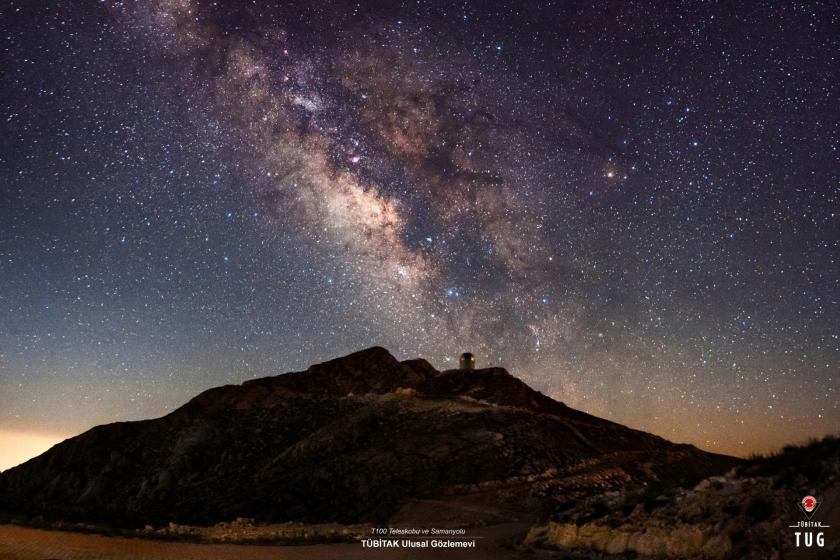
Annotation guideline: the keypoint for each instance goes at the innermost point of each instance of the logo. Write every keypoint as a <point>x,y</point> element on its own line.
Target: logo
<point>808,505</point>
<point>810,533</point>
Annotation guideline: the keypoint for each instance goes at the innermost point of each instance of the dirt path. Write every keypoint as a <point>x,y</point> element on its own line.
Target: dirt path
<point>23,543</point>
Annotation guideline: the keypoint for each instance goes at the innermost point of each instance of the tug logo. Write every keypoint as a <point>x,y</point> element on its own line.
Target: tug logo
<point>808,505</point>
<point>809,533</point>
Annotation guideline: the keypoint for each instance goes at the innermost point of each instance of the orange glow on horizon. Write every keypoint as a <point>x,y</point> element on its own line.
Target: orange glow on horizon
<point>17,447</point>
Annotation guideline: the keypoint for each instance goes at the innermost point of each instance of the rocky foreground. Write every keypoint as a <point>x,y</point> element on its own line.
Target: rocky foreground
<point>743,514</point>
<point>364,438</point>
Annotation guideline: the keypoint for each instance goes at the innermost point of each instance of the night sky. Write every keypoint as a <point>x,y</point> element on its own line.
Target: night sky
<point>633,206</point>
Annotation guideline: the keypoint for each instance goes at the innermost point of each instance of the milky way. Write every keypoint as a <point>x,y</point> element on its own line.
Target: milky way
<point>632,207</point>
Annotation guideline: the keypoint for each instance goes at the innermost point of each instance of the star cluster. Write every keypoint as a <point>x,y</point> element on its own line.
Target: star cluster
<point>632,206</point>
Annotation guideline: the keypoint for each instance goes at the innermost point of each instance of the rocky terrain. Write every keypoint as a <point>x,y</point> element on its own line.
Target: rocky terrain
<point>363,438</point>
<point>744,514</point>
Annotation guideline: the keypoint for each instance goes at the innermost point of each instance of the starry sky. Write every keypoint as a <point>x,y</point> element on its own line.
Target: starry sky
<point>633,206</point>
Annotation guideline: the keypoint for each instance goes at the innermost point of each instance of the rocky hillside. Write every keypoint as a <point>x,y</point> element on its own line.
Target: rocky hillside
<point>360,438</point>
<point>743,514</point>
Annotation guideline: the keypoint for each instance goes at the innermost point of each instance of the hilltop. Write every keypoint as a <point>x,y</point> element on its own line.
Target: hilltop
<point>362,438</point>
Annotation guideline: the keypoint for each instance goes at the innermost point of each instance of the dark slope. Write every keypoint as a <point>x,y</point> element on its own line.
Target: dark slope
<point>358,438</point>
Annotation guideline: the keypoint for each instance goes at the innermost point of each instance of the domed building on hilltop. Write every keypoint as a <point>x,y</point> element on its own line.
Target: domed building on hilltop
<point>467,361</point>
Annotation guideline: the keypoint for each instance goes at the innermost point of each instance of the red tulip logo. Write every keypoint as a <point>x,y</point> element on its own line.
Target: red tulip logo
<point>809,503</point>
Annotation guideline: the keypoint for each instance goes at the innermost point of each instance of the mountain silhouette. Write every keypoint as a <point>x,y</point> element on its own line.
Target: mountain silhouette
<point>362,438</point>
